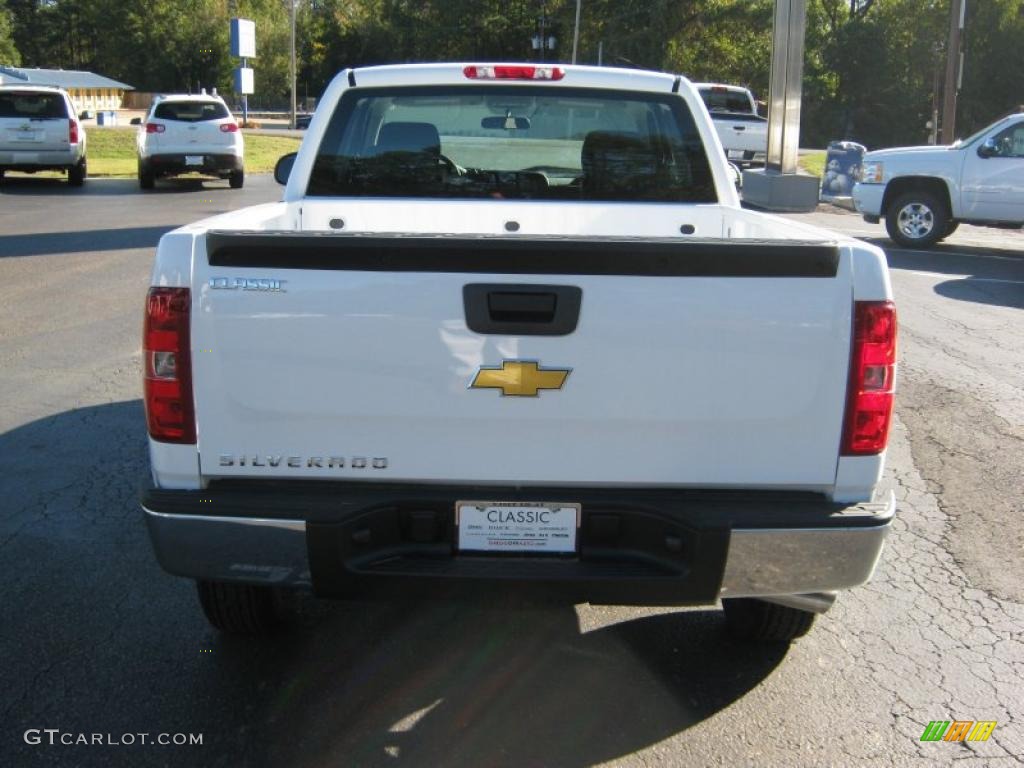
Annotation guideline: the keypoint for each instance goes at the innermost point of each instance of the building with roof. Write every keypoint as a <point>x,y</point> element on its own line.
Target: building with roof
<point>87,89</point>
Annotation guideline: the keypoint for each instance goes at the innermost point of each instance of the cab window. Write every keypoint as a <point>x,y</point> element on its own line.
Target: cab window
<point>520,143</point>
<point>1010,142</point>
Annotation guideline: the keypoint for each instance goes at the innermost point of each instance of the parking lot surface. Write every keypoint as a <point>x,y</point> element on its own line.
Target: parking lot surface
<point>98,640</point>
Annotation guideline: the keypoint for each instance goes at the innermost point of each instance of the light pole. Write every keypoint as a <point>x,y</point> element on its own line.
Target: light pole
<point>291,68</point>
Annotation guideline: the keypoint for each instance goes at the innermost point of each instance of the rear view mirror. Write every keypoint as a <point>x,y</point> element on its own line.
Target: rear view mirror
<point>136,121</point>
<point>283,169</point>
<point>508,123</point>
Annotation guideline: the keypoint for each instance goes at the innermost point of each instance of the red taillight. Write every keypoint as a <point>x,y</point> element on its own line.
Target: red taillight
<point>872,373</point>
<point>155,128</point>
<point>229,127</point>
<point>72,132</point>
<point>167,364</point>
<point>513,73</point>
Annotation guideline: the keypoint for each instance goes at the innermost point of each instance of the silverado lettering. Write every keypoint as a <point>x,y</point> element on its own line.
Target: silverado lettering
<point>320,462</point>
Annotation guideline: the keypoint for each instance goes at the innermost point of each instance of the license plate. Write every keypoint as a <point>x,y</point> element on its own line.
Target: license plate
<point>517,526</point>
<point>24,135</point>
<point>193,159</point>
<point>735,154</point>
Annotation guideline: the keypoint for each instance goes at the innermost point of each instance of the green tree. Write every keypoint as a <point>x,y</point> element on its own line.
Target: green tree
<point>869,70</point>
<point>993,62</point>
<point>8,51</point>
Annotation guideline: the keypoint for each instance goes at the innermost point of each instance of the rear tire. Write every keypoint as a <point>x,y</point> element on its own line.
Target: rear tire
<point>77,174</point>
<point>950,229</point>
<point>240,609</point>
<point>916,219</point>
<point>758,621</point>
<point>147,179</point>
<point>236,179</point>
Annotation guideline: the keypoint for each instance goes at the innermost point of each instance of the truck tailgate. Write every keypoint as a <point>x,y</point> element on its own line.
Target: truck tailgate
<point>701,363</point>
<point>746,133</point>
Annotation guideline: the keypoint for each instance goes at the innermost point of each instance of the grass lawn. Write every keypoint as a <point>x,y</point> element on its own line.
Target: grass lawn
<point>813,163</point>
<point>111,152</point>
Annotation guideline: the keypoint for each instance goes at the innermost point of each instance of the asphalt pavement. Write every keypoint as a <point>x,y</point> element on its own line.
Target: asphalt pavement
<point>96,639</point>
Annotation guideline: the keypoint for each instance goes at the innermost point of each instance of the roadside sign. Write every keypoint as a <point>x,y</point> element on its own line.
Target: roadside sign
<point>243,38</point>
<point>243,80</point>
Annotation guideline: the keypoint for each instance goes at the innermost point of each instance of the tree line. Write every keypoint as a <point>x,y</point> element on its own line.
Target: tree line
<point>873,68</point>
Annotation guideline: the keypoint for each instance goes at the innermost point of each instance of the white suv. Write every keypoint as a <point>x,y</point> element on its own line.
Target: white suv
<point>40,132</point>
<point>190,134</point>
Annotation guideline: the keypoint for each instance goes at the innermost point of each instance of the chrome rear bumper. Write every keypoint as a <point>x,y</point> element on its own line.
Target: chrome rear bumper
<point>801,564</point>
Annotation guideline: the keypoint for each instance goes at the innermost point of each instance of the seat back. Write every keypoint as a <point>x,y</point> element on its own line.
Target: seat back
<point>618,164</point>
<point>409,137</point>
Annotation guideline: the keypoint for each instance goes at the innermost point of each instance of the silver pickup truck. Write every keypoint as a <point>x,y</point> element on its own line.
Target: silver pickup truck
<point>924,193</point>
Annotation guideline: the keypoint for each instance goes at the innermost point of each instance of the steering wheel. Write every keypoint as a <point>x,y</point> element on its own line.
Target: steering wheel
<point>453,168</point>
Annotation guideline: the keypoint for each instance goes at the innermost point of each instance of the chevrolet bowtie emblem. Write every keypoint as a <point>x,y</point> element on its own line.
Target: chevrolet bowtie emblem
<point>519,378</point>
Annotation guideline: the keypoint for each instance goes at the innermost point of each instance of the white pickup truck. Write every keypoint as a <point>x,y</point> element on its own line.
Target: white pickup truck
<point>509,328</point>
<point>924,193</point>
<point>742,131</point>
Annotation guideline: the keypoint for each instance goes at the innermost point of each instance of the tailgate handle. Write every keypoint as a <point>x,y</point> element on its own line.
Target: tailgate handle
<point>522,310</point>
<point>517,306</point>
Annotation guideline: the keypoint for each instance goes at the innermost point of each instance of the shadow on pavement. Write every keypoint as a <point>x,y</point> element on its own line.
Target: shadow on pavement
<point>949,257</point>
<point>980,275</point>
<point>99,640</point>
<point>52,243</point>
<point>35,185</point>
<point>30,185</point>
<point>982,290</point>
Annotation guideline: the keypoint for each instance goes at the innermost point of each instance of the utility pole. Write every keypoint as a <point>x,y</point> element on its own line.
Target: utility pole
<point>576,32</point>
<point>291,123</point>
<point>543,29</point>
<point>954,64</point>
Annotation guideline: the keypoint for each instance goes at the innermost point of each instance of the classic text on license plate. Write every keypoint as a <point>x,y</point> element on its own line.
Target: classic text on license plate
<point>517,526</point>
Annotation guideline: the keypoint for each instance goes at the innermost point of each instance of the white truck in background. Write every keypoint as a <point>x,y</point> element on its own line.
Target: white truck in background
<point>924,193</point>
<point>742,131</point>
<point>510,329</point>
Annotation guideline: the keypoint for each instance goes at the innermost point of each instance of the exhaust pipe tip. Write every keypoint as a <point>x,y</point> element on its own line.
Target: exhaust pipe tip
<point>814,602</point>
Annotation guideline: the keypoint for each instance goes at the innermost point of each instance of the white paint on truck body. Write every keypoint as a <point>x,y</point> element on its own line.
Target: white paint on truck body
<point>705,382</point>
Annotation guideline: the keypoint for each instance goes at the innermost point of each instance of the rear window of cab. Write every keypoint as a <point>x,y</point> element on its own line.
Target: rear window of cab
<point>25,104</point>
<point>512,142</point>
<point>190,111</point>
<point>725,100</point>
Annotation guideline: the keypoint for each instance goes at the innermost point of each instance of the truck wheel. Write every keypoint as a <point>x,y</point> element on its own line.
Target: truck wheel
<point>76,174</point>
<point>916,219</point>
<point>146,178</point>
<point>240,609</point>
<point>236,179</point>
<point>749,619</point>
